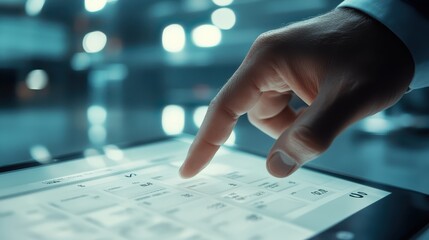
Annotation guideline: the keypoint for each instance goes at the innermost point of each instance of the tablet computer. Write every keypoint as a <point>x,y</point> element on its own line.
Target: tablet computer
<point>135,192</point>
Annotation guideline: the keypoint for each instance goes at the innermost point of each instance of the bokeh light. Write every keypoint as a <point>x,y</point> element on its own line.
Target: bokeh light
<point>223,18</point>
<point>96,115</point>
<point>222,3</point>
<point>199,114</point>
<point>37,79</point>
<point>94,42</point>
<point>173,38</point>
<point>34,7</point>
<point>173,119</point>
<point>206,35</point>
<point>231,139</point>
<point>95,5</point>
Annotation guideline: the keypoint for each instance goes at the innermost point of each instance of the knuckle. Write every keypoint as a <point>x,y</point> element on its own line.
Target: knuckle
<point>221,106</point>
<point>265,38</point>
<point>268,42</point>
<point>216,102</point>
<point>308,140</point>
<point>213,103</point>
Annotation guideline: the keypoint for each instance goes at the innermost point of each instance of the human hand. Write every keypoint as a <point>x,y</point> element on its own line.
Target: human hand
<point>344,65</point>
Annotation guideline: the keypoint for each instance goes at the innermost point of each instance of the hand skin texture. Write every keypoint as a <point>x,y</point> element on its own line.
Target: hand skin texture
<point>344,65</point>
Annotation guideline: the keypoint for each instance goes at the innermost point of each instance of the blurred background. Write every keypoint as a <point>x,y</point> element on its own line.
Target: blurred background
<point>88,74</point>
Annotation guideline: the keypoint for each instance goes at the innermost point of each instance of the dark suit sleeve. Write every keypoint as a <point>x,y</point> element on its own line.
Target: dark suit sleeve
<point>409,20</point>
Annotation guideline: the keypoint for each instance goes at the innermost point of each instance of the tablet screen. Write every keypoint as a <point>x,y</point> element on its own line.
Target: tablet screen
<point>139,195</point>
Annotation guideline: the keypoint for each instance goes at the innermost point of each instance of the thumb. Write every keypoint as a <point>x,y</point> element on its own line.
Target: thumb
<point>313,131</point>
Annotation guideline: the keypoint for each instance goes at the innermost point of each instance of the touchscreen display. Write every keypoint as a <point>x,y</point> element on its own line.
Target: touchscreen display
<point>144,198</point>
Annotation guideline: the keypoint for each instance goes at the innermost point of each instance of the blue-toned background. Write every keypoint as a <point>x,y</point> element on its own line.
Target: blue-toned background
<point>85,74</point>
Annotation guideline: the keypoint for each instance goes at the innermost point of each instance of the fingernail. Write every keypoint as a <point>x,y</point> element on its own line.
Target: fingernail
<point>182,173</point>
<point>281,165</point>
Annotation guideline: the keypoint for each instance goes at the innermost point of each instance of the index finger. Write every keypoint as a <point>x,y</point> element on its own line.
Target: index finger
<point>236,98</point>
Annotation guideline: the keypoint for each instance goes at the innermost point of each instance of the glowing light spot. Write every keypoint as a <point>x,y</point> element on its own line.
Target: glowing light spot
<point>40,153</point>
<point>37,79</point>
<point>97,134</point>
<point>34,7</point>
<point>377,124</point>
<point>173,119</point>
<point>222,3</point>
<point>206,36</point>
<point>95,5</point>
<point>94,158</point>
<point>94,42</point>
<point>113,152</point>
<point>223,18</point>
<point>96,114</point>
<point>231,139</point>
<point>80,61</point>
<point>199,114</point>
<point>173,38</point>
